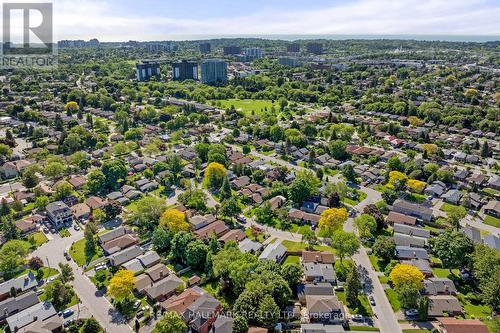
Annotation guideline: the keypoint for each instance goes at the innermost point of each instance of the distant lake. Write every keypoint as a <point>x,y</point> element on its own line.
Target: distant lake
<point>447,38</point>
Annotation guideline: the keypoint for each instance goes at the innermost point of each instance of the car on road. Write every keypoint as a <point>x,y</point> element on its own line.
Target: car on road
<point>241,219</point>
<point>68,312</point>
<point>371,299</point>
<point>357,317</point>
<point>68,322</point>
<point>411,313</point>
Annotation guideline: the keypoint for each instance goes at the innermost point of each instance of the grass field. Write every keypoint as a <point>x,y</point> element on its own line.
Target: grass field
<point>64,233</point>
<point>248,105</point>
<point>77,252</point>
<point>393,299</point>
<point>296,246</point>
<point>363,307</point>
<point>445,273</point>
<point>292,259</point>
<point>491,220</point>
<point>447,207</point>
<point>39,238</point>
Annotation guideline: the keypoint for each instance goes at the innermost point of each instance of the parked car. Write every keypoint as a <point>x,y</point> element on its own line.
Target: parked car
<point>357,317</point>
<point>137,304</point>
<point>76,227</point>
<point>68,322</point>
<point>139,314</point>
<point>411,313</point>
<point>371,299</point>
<point>46,230</point>
<point>40,291</point>
<point>68,312</point>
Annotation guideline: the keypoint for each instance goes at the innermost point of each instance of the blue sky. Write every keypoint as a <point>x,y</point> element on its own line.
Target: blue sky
<point>118,20</point>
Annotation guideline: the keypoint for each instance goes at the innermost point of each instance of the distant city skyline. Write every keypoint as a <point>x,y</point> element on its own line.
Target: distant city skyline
<point>114,20</point>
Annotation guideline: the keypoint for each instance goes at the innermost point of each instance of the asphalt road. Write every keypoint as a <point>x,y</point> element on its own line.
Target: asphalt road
<point>52,253</point>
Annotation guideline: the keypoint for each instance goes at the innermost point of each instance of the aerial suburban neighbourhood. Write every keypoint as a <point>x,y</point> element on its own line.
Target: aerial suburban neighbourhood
<point>312,185</point>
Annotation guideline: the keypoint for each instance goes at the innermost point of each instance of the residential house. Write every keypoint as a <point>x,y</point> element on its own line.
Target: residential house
<point>149,259</point>
<point>325,309</point>
<point>59,214</point>
<point>21,284</point>
<point>323,257</point>
<point>163,289</point>
<point>398,218</point>
<point>407,252</point>
<point>274,251</point>
<point>198,221</point>
<point>316,289</point>
<point>492,208</point>
<point>250,246</point>
<point>318,272</point>
<point>452,197</point>
<point>415,210</point>
<point>436,189</point>
<point>17,304</point>
<point>121,257</point>
<point>202,313</point>
<point>321,328</point>
<point>26,227</point>
<point>39,312</point>
<point>179,303</point>
<point>233,235</point>
<point>217,228</point>
<point>492,241</point>
<point>453,325</point>
<point>81,211</point>
<point>222,324</point>
<point>444,305</point>
<point>423,266</point>
<point>77,181</point>
<point>439,286</point>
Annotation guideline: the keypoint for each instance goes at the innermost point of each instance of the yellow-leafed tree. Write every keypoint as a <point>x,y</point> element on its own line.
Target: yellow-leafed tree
<point>174,220</point>
<point>333,219</point>
<point>214,175</point>
<point>429,148</point>
<point>121,285</point>
<point>416,185</point>
<point>403,274</point>
<point>397,178</point>
<point>72,106</point>
<point>415,121</point>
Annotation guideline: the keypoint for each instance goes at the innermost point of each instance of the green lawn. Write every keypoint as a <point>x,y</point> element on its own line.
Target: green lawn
<point>259,238</point>
<point>77,252</point>
<point>353,202</point>
<point>39,238</point>
<point>445,272</point>
<point>383,279</point>
<point>64,233</point>
<point>296,246</point>
<point>491,220</point>
<point>474,311</point>
<point>393,299</point>
<point>292,259</point>
<point>249,105</point>
<point>299,229</point>
<point>447,207</point>
<point>375,262</point>
<point>363,307</point>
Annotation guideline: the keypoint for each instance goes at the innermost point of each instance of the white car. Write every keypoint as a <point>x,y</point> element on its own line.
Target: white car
<point>411,313</point>
<point>357,317</point>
